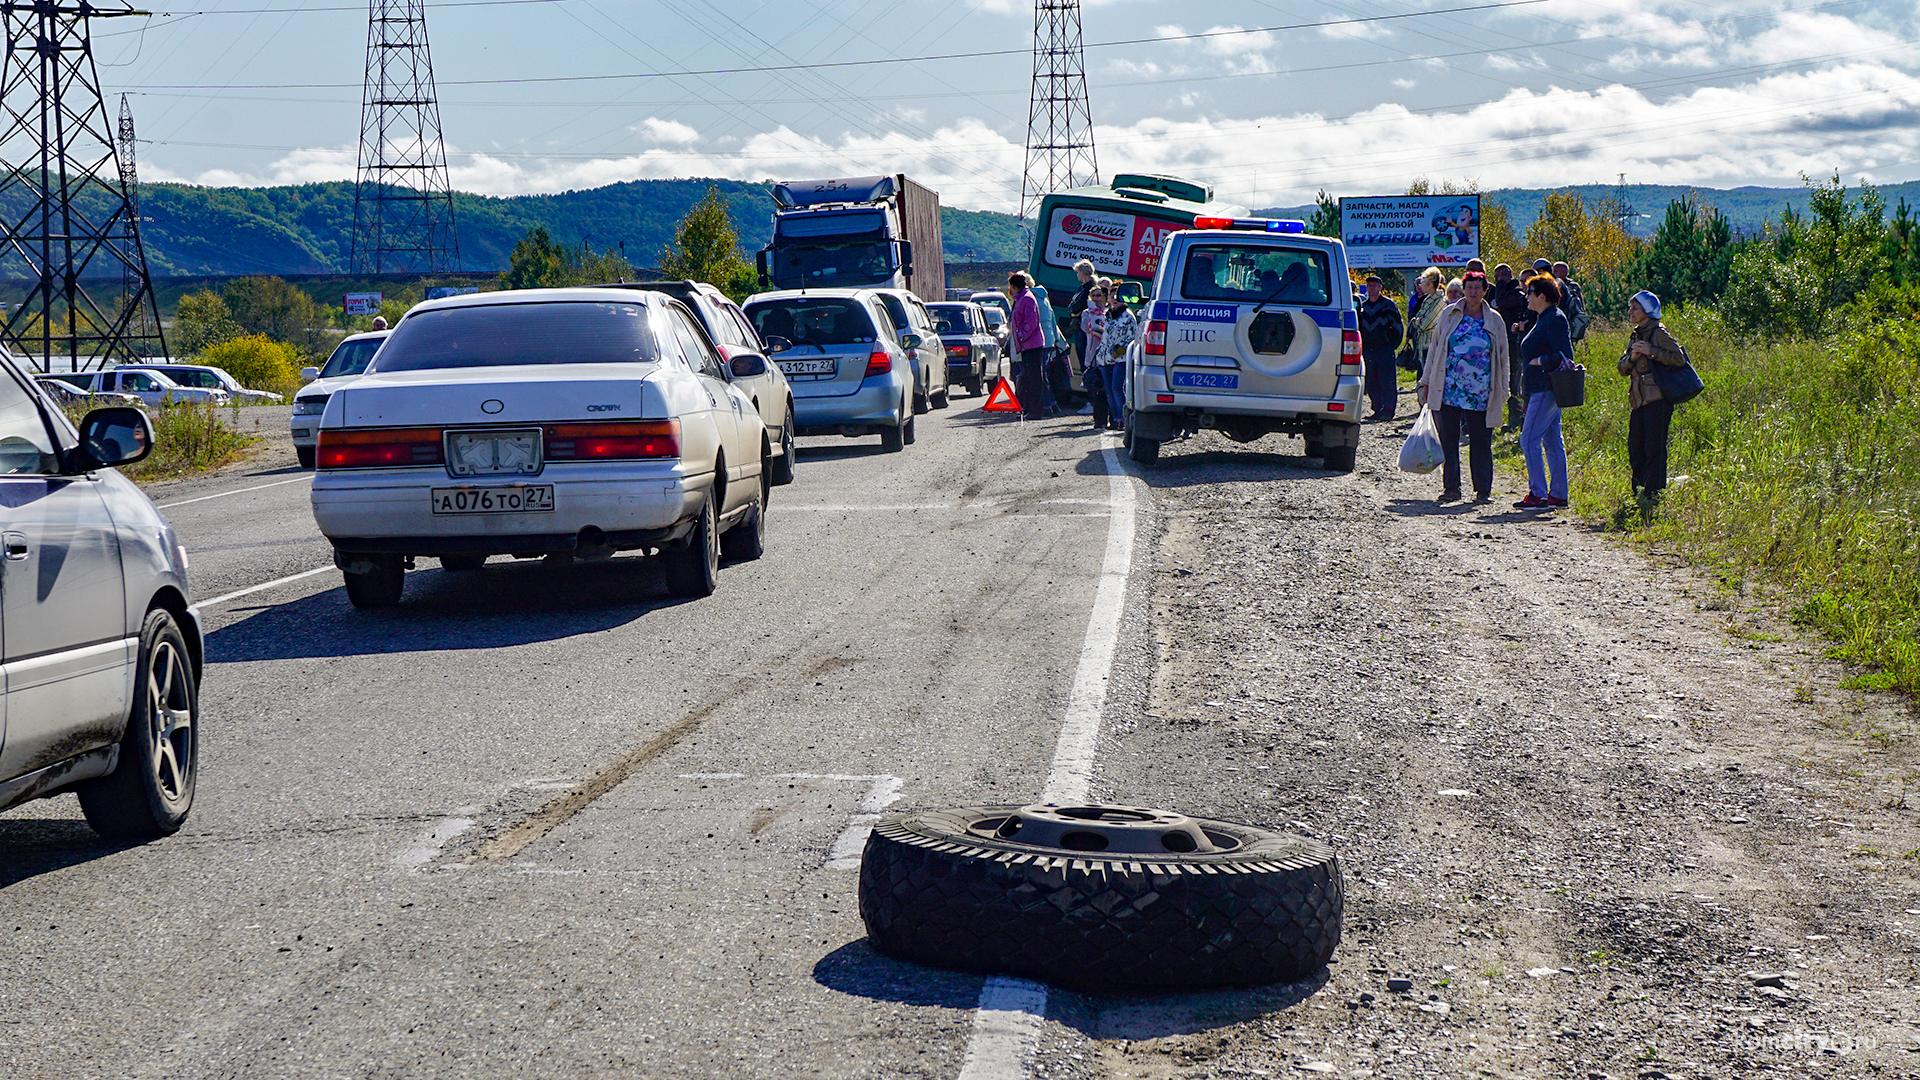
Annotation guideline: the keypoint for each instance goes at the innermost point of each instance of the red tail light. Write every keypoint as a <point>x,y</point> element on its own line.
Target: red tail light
<point>379,448</point>
<point>613,442</point>
<point>878,363</point>
<point>957,350</point>
<point>1155,343</point>
<point>1350,348</point>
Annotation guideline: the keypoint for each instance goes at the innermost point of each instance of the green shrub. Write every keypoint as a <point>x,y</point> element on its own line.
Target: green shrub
<point>188,439</point>
<point>1800,466</point>
<point>259,362</point>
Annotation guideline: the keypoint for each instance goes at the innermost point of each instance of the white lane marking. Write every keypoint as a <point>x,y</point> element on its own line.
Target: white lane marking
<point>1072,772</point>
<point>1005,1029</point>
<point>882,791</point>
<point>235,491</point>
<point>427,847</point>
<point>1006,1025</point>
<point>845,507</point>
<point>236,594</point>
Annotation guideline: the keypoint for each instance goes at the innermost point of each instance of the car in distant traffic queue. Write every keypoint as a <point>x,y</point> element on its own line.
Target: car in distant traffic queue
<point>973,353</point>
<point>348,362</point>
<point>556,423</point>
<point>849,375</point>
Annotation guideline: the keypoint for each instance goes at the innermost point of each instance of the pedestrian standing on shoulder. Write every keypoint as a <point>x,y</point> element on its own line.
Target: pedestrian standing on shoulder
<point>1077,307</point>
<point>1423,310</point>
<point>1380,334</point>
<point>1649,423</point>
<point>1465,384</point>
<point>1508,299</point>
<point>1120,331</point>
<point>1545,350</point>
<point>1573,302</point>
<point>1093,324</point>
<point>1030,374</point>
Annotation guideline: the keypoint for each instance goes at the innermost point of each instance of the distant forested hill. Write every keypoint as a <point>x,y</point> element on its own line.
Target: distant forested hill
<point>308,229</point>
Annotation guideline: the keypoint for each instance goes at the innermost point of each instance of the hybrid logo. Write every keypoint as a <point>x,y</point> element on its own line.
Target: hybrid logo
<point>1075,225</point>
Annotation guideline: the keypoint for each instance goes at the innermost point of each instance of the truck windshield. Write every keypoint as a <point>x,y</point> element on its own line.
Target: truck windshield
<point>811,264</point>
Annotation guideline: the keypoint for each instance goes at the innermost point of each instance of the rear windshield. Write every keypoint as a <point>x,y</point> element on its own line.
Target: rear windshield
<point>950,319</point>
<point>1250,273</point>
<point>511,335</point>
<point>807,320</point>
<point>350,357</point>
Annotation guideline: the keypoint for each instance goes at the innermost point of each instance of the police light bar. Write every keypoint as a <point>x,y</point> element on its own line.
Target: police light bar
<point>1272,225</point>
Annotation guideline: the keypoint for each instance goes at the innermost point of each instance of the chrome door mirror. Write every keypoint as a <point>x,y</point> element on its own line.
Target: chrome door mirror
<point>910,341</point>
<point>747,365</point>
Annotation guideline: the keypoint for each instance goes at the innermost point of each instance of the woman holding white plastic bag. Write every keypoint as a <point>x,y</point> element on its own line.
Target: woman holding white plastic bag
<point>1465,384</point>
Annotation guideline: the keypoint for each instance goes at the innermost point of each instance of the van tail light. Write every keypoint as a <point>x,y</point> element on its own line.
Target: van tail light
<point>958,350</point>
<point>1349,350</point>
<point>878,363</point>
<point>379,448</point>
<point>1155,342</point>
<point>623,441</point>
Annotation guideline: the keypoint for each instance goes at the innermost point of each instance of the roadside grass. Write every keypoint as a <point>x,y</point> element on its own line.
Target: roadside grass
<point>1798,467</point>
<point>187,439</point>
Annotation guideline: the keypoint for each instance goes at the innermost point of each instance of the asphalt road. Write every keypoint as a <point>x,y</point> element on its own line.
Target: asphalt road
<point>553,822</point>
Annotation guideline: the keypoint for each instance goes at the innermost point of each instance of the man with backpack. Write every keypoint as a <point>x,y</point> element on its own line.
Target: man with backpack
<point>1575,305</point>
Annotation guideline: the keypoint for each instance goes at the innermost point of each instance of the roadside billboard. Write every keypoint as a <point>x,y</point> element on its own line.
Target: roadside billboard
<point>1411,230</point>
<point>1118,245</point>
<point>363,303</point>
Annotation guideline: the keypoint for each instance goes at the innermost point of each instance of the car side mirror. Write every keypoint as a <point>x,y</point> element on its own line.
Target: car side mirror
<point>777,344</point>
<point>117,436</point>
<point>910,341</point>
<point>308,374</point>
<point>747,365</point>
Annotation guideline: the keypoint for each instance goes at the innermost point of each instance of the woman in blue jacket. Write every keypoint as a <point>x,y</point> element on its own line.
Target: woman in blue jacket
<point>1543,351</point>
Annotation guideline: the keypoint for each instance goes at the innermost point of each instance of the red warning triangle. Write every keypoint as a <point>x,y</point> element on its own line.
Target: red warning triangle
<point>1002,399</point>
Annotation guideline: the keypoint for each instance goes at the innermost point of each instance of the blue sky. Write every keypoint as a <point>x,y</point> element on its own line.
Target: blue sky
<point>550,95</point>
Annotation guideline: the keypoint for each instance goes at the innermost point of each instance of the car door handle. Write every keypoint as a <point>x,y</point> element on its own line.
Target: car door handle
<point>16,546</point>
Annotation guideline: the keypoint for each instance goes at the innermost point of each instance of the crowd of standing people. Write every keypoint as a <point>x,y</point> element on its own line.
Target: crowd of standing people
<point>1484,350</point>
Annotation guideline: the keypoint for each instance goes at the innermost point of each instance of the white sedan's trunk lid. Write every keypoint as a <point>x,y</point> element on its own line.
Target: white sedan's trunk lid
<point>500,395</point>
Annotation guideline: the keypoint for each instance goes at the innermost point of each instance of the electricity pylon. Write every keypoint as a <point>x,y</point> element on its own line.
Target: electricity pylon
<point>68,226</point>
<point>1060,151</point>
<point>403,197</point>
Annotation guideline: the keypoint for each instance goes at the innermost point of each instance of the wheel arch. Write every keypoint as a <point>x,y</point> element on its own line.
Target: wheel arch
<point>171,600</point>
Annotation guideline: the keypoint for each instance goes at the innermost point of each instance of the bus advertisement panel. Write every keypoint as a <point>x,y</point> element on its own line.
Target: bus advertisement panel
<point>1117,244</point>
<point>1411,230</point>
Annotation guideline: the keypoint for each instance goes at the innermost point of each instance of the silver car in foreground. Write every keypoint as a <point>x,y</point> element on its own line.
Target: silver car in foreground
<point>100,643</point>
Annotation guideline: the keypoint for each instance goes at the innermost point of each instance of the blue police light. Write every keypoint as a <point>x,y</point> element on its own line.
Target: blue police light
<point>1286,225</point>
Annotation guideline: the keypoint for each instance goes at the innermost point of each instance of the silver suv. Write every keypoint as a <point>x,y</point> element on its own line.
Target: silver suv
<point>1251,331</point>
<point>101,646</point>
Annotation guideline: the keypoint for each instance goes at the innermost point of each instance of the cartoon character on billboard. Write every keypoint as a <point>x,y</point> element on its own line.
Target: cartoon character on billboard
<point>1454,225</point>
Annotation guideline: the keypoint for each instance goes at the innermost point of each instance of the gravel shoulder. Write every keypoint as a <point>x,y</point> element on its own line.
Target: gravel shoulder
<point>1605,820</point>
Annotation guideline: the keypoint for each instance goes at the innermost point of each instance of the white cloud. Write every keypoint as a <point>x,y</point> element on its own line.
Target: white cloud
<point>670,132</point>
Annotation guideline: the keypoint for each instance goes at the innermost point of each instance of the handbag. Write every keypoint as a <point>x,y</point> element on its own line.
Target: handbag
<point>1569,386</point>
<point>1678,385</point>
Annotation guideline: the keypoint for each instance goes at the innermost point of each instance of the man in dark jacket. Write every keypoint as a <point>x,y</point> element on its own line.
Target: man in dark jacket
<point>1381,332</point>
<point>1511,302</point>
<point>1077,307</point>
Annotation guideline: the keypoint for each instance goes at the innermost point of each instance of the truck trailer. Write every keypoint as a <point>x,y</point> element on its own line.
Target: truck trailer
<point>862,232</point>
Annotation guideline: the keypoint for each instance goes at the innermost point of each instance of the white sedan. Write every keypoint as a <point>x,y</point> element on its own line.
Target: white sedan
<point>543,422</point>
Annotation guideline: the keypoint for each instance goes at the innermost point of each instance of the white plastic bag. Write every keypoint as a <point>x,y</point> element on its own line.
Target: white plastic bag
<point>1422,452</point>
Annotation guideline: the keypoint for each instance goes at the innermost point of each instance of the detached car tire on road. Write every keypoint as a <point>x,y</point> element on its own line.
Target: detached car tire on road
<point>947,888</point>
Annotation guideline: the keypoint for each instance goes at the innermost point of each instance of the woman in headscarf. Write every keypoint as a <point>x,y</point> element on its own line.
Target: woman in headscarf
<point>1652,415</point>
